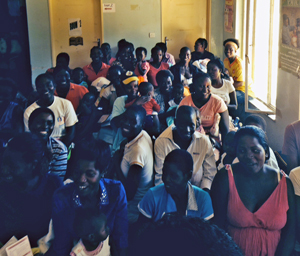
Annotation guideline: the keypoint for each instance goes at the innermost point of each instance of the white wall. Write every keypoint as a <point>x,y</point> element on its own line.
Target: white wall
<point>39,36</point>
<point>133,20</point>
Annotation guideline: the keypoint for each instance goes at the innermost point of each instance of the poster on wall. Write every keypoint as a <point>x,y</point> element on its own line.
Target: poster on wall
<point>228,16</point>
<point>289,41</point>
<point>75,27</point>
<point>109,7</point>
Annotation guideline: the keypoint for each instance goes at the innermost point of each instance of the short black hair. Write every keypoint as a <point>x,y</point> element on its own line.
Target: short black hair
<point>138,110</point>
<point>105,45</point>
<point>257,120</point>
<point>155,50</point>
<point>185,110</point>
<point>220,65</point>
<point>77,70</point>
<point>112,69</point>
<point>59,69</point>
<point>184,50</point>
<point>145,87</point>
<point>6,82</point>
<point>163,74</point>
<point>63,55</point>
<point>37,112</point>
<point>85,219</point>
<point>202,41</point>
<point>229,136</point>
<point>163,46</point>
<point>122,43</point>
<point>180,235</point>
<point>95,48</point>
<point>254,131</point>
<point>141,49</point>
<point>178,86</point>
<point>44,76</point>
<point>89,149</point>
<point>200,76</point>
<point>232,40</point>
<point>182,159</point>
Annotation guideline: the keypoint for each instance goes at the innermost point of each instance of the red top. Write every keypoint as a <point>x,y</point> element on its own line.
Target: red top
<point>257,233</point>
<point>149,106</point>
<point>153,71</point>
<point>75,94</point>
<point>91,74</point>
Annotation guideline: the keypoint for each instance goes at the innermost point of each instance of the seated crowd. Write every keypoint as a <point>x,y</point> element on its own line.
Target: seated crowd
<point>128,156</point>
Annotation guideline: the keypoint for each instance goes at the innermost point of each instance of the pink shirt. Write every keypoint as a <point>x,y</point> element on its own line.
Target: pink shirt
<point>153,71</point>
<point>214,105</point>
<point>145,66</point>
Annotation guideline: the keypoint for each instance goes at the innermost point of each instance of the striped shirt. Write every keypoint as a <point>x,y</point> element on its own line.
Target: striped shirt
<point>58,163</point>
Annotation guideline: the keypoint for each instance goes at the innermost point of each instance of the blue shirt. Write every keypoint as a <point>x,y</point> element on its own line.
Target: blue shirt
<point>158,202</point>
<point>112,203</point>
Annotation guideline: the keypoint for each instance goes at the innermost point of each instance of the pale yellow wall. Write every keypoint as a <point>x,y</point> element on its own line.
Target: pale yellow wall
<point>133,20</point>
<point>89,13</point>
<point>183,22</point>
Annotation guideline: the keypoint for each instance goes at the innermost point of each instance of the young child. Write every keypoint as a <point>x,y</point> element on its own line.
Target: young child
<point>229,154</point>
<point>91,226</point>
<point>156,65</point>
<point>78,77</point>
<point>146,91</point>
<point>184,71</point>
<point>142,66</point>
<point>88,115</point>
<point>177,96</point>
<point>105,47</point>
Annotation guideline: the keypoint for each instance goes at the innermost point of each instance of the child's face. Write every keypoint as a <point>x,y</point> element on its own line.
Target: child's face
<point>157,57</point>
<point>213,71</point>
<point>88,100</point>
<point>140,56</point>
<point>178,94</point>
<point>166,85</point>
<point>78,76</point>
<point>151,93</point>
<point>106,50</point>
<point>230,51</point>
<point>199,47</point>
<point>229,145</point>
<point>101,231</point>
<point>185,56</point>
<point>96,55</point>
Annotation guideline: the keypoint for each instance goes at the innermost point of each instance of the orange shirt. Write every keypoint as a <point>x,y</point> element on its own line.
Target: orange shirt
<point>75,94</point>
<point>207,112</point>
<point>153,71</point>
<point>91,74</point>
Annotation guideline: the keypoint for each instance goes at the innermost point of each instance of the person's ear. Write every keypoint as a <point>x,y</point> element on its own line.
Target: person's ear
<point>189,174</point>
<point>267,153</point>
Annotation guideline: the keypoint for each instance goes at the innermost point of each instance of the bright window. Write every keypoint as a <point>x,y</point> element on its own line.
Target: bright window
<point>262,36</point>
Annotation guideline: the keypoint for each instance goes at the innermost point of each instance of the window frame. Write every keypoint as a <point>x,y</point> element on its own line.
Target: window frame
<point>268,108</point>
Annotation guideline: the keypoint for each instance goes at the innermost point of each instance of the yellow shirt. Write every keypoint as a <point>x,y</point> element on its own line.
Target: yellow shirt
<point>236,71</point>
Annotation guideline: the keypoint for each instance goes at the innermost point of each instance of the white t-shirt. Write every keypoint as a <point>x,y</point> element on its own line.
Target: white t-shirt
<point>102,250</point>
<point>138,152</point>
<point>64,113</point>
<point>224,91</point>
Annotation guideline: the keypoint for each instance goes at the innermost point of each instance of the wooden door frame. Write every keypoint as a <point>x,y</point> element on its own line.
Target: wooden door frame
<point>208,22</point>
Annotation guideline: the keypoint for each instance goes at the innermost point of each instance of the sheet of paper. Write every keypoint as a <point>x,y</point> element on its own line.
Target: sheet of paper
<point>20,248</point>
<point>10,242</point>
